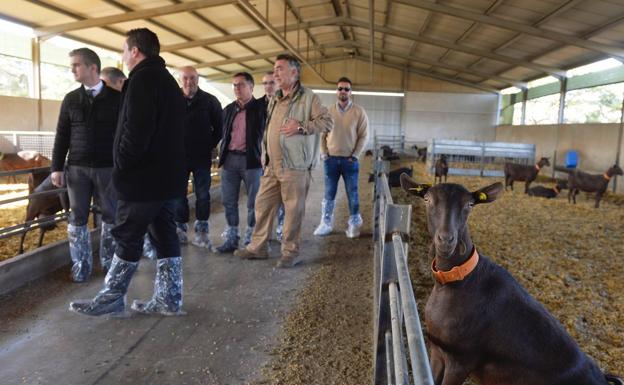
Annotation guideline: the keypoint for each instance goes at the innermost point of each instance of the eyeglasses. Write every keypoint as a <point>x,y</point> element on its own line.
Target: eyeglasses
<point>345,89</point>
<point>266,83</point>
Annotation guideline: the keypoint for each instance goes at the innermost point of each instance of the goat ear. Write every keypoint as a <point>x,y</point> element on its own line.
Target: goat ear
<point>412,187</point>
<point>488,194</point>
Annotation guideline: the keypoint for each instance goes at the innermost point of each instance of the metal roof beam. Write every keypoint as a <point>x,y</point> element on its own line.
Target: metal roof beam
<point>462,48</point>
<point>434,63</point>
<point>248,35</point>
<point>238,59</point>
<point>128,16</point>
<point>256,15</point>
<point>518,27</point>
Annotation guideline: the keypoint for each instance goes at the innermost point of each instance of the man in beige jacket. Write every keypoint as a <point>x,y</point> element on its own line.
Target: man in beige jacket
<point>340,150</point>
<point>290,150</point>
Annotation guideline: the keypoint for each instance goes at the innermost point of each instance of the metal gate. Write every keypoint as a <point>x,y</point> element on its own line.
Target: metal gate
<point>470,158</point>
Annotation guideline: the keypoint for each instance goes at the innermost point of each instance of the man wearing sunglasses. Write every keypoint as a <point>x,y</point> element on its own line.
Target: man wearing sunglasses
<point>340,149</point>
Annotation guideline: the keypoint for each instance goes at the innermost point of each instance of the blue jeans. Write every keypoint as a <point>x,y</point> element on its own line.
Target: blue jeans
<point>336,166</point>
<point>233,173</point>
<point>201,185</point>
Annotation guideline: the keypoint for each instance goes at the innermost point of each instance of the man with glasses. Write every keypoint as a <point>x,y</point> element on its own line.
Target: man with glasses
<point>243,128</point>
<point>268,82</point>
<point>340,150</point>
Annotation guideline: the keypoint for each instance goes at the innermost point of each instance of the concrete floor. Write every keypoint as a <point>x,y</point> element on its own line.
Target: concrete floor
<point>235,308</point>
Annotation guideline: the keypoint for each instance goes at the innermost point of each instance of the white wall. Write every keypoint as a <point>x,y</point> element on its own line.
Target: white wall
<point>445,115</point>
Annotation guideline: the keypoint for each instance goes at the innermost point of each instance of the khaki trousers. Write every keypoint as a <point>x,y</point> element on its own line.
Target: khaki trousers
<point>276,186</point>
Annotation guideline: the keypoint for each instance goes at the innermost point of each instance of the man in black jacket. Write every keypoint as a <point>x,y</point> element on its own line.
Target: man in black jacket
<point>85,130</point>
<point>204,120</point>
<point>148,175</point>
<point>243,128</point>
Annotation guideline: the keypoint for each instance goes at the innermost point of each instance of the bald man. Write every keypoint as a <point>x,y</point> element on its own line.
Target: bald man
<point>113,77</point>
<point>204,121</point>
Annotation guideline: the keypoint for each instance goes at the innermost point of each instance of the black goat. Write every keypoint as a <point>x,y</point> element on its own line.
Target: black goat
<point>524,173</point>
<point>441,169</point>
<point>548,193</point>
<point>480,320</point>
<point>421,153</point>
<point>582,181</point>
<point>43,206</point>
<point>394,177</point>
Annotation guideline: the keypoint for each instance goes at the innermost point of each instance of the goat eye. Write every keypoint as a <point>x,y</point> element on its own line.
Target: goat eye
<point>471,204</point>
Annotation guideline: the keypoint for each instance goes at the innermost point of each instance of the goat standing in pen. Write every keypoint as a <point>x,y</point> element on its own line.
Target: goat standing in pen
<point>520,172</point>
<point>441,169</point>
<point>43,206</point>
<point>480,320</point>
<point>582,181</point>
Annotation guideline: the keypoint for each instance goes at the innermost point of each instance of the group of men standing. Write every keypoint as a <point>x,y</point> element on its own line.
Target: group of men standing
<point>131,145</point>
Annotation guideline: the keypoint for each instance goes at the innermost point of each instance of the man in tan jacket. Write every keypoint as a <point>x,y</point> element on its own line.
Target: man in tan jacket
<point>340,150</point>
<point>290,150</point>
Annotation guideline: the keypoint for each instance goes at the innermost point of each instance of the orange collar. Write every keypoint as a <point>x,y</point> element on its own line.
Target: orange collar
<point>457,273</point>
<point>607,177</point>
<point>537,167</point>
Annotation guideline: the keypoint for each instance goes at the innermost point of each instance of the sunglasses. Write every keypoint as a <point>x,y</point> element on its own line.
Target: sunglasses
<point>346,89</point>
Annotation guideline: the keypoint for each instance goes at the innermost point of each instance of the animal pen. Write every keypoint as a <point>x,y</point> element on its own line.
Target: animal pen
<point>471,158</point>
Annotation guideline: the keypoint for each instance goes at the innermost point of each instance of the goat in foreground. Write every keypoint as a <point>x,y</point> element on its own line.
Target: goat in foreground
<point>480,320</point>
<point>522,173</point>
<point>582,181</point>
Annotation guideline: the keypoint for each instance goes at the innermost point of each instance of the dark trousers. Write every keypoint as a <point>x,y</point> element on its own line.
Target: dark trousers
<point>233,173</point>
<point>85,183</point>
<point>134,219</point>
<point>201,185</point>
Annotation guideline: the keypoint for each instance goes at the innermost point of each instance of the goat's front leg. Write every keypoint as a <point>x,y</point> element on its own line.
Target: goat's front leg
<point>598,198</point>
<point>455,373</point>
<point>436,361</point>
<point>526,187</point>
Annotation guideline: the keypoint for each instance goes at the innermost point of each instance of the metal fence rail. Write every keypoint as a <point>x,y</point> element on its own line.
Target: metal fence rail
<point>41,141</point>
<point>472,158</point>
<point>396,315</point>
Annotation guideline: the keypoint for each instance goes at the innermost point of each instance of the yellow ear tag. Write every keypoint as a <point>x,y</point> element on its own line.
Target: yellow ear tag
<point>483,196</point>
<point>417,189</point>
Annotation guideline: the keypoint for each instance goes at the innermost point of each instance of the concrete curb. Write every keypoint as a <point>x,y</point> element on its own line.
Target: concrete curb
<point>20,270</point>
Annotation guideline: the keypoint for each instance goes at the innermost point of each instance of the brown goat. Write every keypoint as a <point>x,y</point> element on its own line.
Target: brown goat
<point>480,320</point>
<point>22,160</point>
<point>582,181</point>
<point>43,206</point>
<point>421,153</point>
<point>441,169</point>
<point>520,172</point>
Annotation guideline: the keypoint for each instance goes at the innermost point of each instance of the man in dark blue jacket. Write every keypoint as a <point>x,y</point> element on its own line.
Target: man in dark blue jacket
<point>84,134</point>
<point>243,129</point>
<point>148,175</point>
<point>204,119</point>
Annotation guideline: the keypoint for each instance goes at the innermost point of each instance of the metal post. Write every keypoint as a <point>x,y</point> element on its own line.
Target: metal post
<point>619,145</point>
<point>36,61</point>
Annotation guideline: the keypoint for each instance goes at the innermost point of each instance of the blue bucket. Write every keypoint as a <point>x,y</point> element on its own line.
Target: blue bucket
<point>571,159</point>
